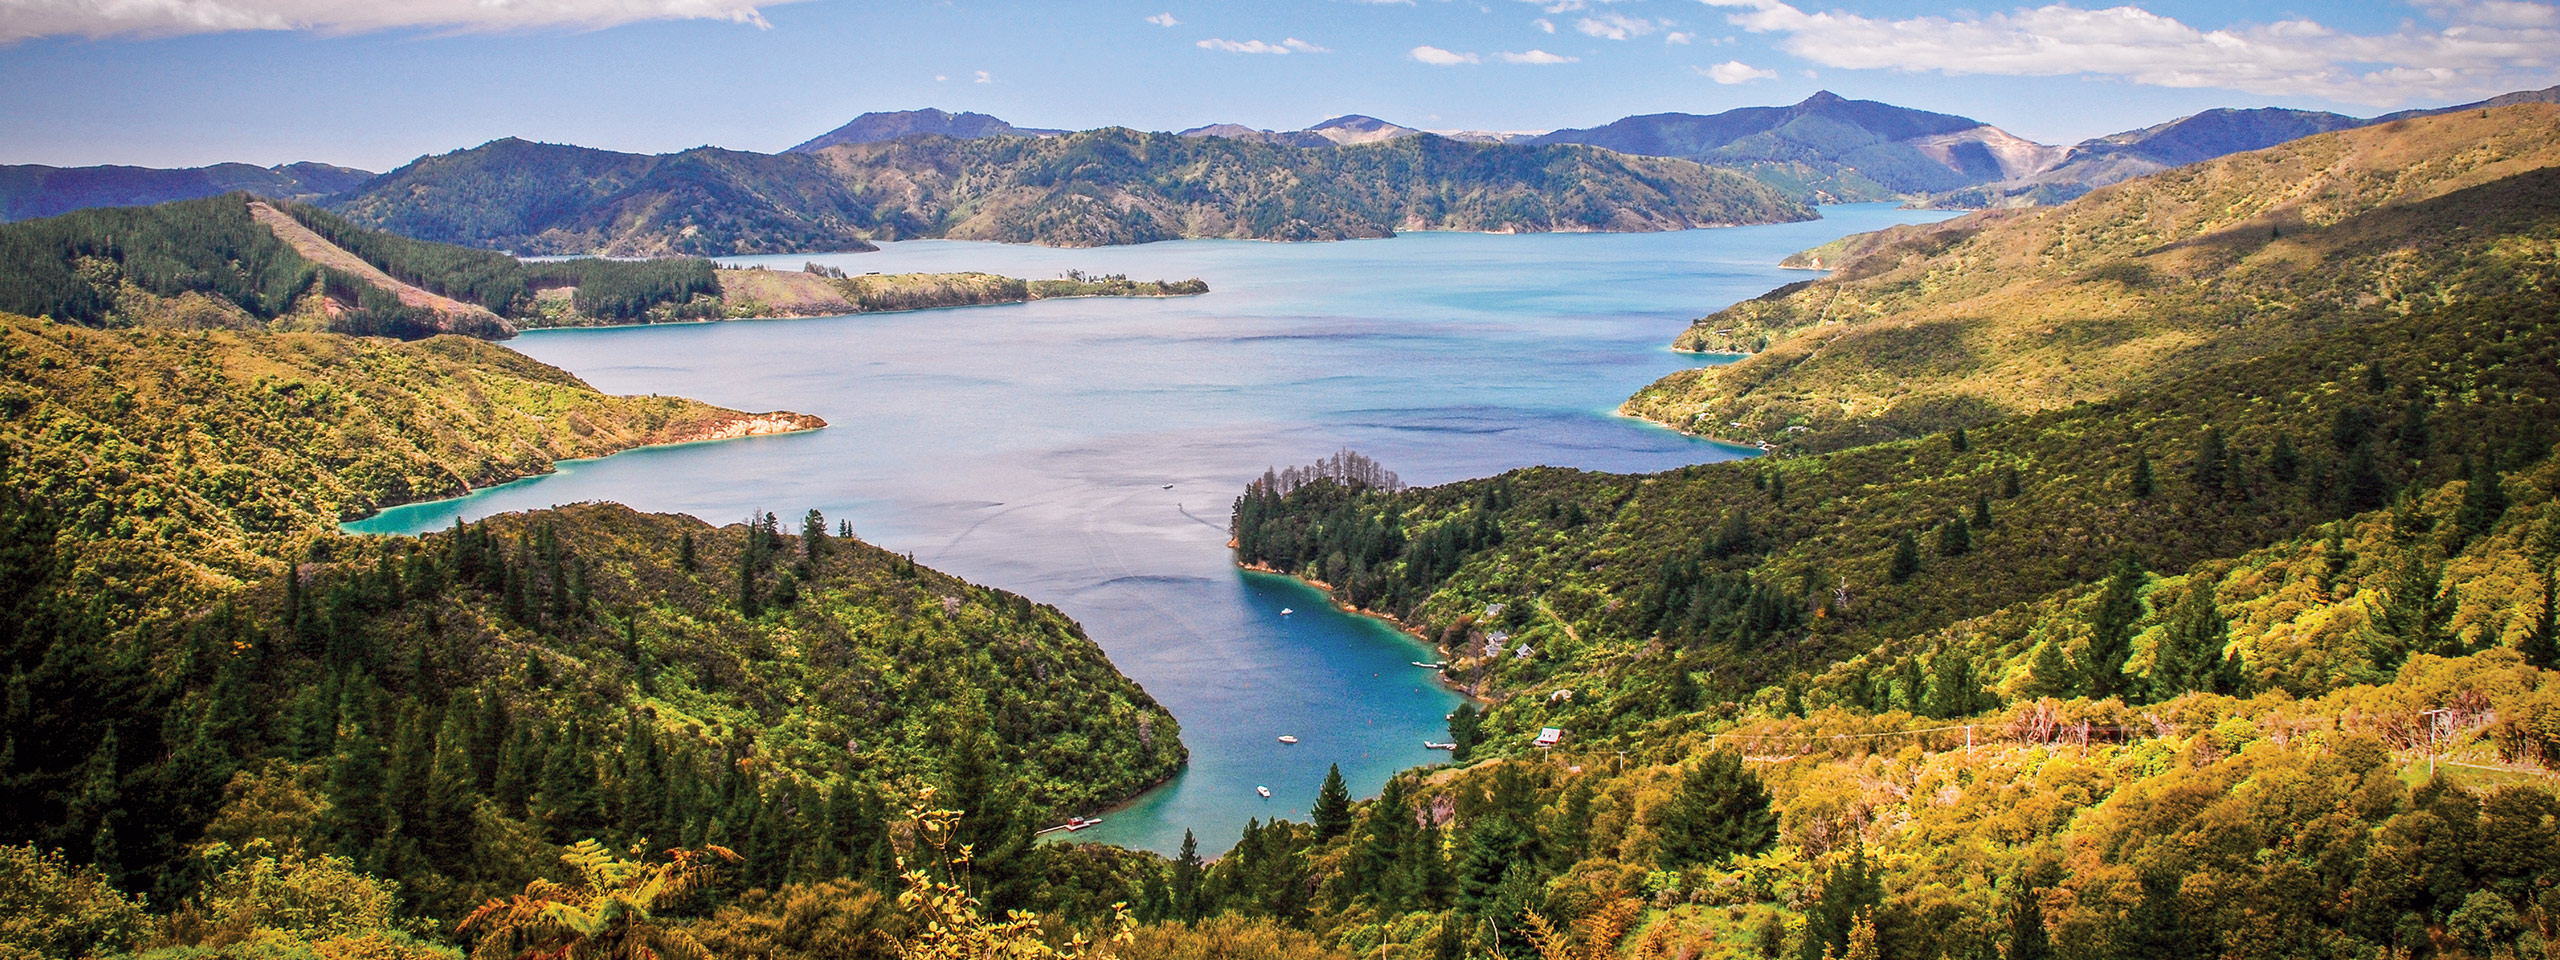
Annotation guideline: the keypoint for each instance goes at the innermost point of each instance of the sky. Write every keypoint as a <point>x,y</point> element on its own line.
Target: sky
<point>377,83</point>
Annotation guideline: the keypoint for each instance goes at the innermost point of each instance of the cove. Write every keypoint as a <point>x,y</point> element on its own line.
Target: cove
<point>1086,453</point>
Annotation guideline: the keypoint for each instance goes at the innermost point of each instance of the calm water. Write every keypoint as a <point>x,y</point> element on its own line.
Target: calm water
<point>1031,447</point>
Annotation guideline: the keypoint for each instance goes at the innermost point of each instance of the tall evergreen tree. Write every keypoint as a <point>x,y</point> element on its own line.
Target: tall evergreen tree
<point>1981,511</point>
<point>2188,655</point>
<point>1188,872</point>
<point>2023,916</point>
<point>2212,468</point>
<point>2284,462</point>
<point>1465,725</point>
<point>1850,889</point>
<point>1955,538</point>
<point>1332,810</point>
<point>1720,809</point>
<point>2141,485</point>
<point>2111,628</point>
<point>2484,497</point>
<point>2541,646</point>
<point>1906,558</point>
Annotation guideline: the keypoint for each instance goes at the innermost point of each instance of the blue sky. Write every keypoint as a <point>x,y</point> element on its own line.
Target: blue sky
<point>377,83</point>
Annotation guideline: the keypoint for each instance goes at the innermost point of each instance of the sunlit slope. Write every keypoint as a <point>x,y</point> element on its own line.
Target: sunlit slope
<point>219,447</point>
<point>2000,312</point>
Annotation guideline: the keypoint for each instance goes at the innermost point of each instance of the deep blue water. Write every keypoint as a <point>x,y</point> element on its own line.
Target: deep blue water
<point>1029,447</point>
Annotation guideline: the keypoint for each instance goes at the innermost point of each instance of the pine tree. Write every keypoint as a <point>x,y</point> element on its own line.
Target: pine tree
<point>1188,871</point>
<point>1955,538</point>
<point>2141,485</point>
<point>2009,483</point>
<point>1954,689</point>
<point>2111,628</point>
<point>452,783</point>
<point>1465,725</point>
<point>2484,497</point>
<point>1720,809</point>
<point>2415,607</point>
<point>2188,655</point>
<point>1906,558</point>
<point>1332,810</point>
<point>2284,462</point>
<point>685,558</point>
<point>2416,436</point>
<point>1957,441</point>
<point>1373,872</point>
<point>1850,889</point>
<point>993,822</point>
<point>2212,468</point>
<point>2049,672</point>
<point>2025,933</point>
<point>1981,511</point>
<point>2541,646</point>
<point>358,817</point>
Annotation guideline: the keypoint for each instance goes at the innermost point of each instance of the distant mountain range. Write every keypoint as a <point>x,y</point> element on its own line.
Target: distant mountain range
<point>545,198</point>
<point>879,127</point>
<point>1109,186</point>
<point>30,191</point>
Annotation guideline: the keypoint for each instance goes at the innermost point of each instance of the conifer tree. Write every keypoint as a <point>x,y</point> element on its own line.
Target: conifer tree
<point>1958,442</point>
<point>993,823</point>
<point>2212,468</point>
<point>452,783</point>
<point>358,817</point>
<point>2189,653</point>
<point>1332,810</point>
<point>1465,725</point>
<point>684,553</point>
<point>2141,485</point>
<point>2111,628</point>
<point>1981,511</point>
<point>1955,538</point>
<point>2025,934</point>
<point>1850,888</point>
<point>2284,462</point>
<point>1906,558</point>
<point>2541,646</point>
<point>1372,871</point>
<point>2009,482</point>
<point>2484,497</point>
<point>1188,871</point>
<point>1720,809</point>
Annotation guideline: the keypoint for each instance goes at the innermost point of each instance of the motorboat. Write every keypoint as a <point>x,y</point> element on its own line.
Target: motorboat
<point>1285,738</point>
<point>1264,791</point>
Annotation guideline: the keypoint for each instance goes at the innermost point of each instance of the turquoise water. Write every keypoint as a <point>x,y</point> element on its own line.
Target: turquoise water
<point>1086,452</point>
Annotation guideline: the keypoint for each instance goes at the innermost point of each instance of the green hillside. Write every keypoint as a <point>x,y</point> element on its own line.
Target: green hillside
<point>1086,189</point>
<point>2006,312</point>
<point>203,676</point>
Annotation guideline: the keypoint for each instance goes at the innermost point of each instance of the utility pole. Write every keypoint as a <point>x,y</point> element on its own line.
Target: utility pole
<point>2434,717</point>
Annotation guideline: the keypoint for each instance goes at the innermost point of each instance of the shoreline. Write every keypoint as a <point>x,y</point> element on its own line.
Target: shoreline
<point>1326,589</point>
<point>860,313</point>
<point>737,426</point>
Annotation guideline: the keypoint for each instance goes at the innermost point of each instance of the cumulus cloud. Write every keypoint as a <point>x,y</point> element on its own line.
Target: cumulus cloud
<point>1678,37</point>
<point>1536,57</point>
<point>1284,47</point>
<point>1615,26</point>
<point>1735,71</point>
<point>1545,24</point>
<point>984,78</point>
<point>2472,47</point>
<point>1163,19</point>
<point>25,19</point>
<point>1442,58</point>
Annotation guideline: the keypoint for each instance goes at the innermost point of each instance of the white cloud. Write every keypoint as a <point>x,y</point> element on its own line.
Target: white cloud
<point>1537,57</point>
<point>1545,24</point>
<point>984,78</point>
<point>25,19</point>
<point>1284,47</point>
<point>1163,20</point>
<point>1442,58</point>
<point>1615,26</point>
<point>1568,6</point>
<point>1735,71</point>
<point>2474,47</point>
<point>1678,37</point>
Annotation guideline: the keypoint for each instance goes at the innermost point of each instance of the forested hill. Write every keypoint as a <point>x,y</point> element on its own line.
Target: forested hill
<point>339,746</point>
<point>2216,665</point>
<point>240,262</point>
<point>1959,323</point>
<point>1085,189</point>
<point>33,190</point>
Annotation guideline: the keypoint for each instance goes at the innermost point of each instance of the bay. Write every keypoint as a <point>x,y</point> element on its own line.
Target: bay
<point>1086,452</point>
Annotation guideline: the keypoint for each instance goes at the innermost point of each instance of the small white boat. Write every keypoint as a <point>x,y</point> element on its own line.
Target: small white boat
<point>1285,738</point>
<point>1079,823</point>
<point>1436,745</point>
<point>1264,791</point>
<point>1168,486</point>
<point>1430,665</point>
<point>1284,611</point>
